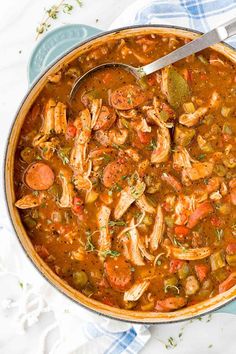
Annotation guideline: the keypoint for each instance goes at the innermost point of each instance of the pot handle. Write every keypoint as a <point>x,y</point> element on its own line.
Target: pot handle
<point>230,308</point>
<point>54,44</point>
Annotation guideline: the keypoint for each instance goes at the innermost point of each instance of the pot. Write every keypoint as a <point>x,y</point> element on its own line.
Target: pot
<point>60,47</point>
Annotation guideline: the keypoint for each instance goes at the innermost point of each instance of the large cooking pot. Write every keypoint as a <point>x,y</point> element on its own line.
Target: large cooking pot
<point>60,47</point>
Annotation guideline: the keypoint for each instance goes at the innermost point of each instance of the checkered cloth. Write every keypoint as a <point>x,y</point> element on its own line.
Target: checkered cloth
<point>201,15</point>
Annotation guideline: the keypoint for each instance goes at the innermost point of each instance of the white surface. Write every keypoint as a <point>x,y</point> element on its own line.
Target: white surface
<point>18,20</point>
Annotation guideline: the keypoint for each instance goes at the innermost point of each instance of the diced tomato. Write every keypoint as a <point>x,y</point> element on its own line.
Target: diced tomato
<point>78,207</point>
<point>144,137</point>
<point>231,248</point>
<point>181,230</point>
<point>228,283</point>
<point>215,221</point>
<point>175,264</point>
<point>107,301</point>
<point>151,80</point>
<point>71,131</point>
<point>201,271</point>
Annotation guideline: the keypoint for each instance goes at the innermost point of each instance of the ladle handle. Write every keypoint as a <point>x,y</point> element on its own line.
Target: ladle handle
<point>206,40</point>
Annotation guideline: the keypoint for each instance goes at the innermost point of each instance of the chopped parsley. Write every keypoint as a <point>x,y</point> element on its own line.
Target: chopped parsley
<point>106,158</point>
<point>152,145</point>
<point>53,13</point>
<point>21,284</point>
<point>64,155</point>
<point>117,223</point>
<point>171,343</point>
<point>111,253</point>
<point>201,157</point>
<point>89,244</point>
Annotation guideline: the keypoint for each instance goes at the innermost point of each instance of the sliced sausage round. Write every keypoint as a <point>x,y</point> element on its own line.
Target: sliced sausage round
<point>39,176</point>
<point>118,273</point>
<point>106,118</point>
<point>127,97</point>
<point>114,171</point>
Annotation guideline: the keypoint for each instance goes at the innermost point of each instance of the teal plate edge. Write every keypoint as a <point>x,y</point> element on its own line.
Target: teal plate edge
<point>51,47</point>
<point>54,44</point>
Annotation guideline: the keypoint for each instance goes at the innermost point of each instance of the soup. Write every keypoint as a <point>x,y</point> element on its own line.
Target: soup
<point>128,192</point>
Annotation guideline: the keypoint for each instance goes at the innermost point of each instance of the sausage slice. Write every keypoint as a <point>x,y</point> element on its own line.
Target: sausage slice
<point>118,273</point>
<point>106,118</point>
<point>39,176</point>
<point>114,171</point>
<point>127,97</point>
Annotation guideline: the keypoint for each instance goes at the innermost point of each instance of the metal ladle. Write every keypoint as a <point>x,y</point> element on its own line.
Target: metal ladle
<point>206,40</point>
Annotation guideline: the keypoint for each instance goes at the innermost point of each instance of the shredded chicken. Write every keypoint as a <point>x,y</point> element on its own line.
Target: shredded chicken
<point>104,240</point>
<point>136,291</point>
<point>144,205</point>
<point>127,197</point>
<point>67,189</point>
<point>29,201</point>
<point>158,230</point>
<point>189,254</point>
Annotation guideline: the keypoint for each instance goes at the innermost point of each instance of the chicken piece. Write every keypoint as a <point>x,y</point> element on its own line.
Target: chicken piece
<point>104,240</point>
<point>161,152</point>
<point>78,157</point>
<point>55,78</point>
<point>193,169</point>
<point>191,119</point>
<point>144,252</point>
<point>183,209</point>
<point>47,149</point>
<point>60,122</point>
<point>136,291</point>
<point>95,109</point>
<point>134,254</point>
<point>48,123</point>
<point>188,254</point>
<point>29,201</point>
<point>54,120</point>
<point>144,205</point>
<point>127,197</point>
<point>158,230</point>
<point>67,189</point>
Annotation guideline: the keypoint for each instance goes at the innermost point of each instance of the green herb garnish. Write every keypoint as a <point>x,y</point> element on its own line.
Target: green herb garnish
<point>64,155</point>
<point>201,157</point>
<point>53,13</point>
<point>117,223</point>
<point>89,244</point>
<point>111,253</point>
<point>152,145</point>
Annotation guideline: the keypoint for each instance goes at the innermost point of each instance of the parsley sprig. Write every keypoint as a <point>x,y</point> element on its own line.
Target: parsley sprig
<point>53,13</point>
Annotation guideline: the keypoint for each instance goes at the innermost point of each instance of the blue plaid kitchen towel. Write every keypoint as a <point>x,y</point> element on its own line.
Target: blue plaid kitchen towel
<point>201,15</point>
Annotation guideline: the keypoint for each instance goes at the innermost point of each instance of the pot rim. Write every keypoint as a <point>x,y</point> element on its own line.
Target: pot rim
<point>107,310</point>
